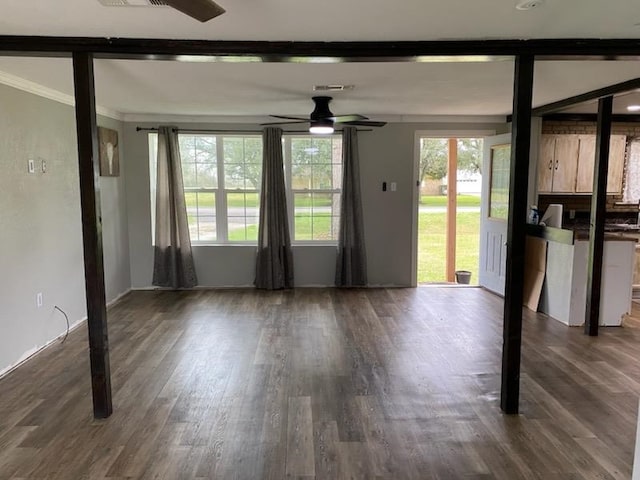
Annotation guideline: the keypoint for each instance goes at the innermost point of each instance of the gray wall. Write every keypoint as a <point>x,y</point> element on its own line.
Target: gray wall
<point>386,154</point>
<point>40,227</point>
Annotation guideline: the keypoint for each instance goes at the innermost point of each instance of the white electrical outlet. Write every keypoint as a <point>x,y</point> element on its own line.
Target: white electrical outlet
<point>394,186</point>
<point>31,165</point>
<point>39,299</point>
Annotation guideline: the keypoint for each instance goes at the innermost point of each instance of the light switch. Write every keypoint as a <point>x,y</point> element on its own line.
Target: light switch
<point>44,166</point>
<point>31,165</point>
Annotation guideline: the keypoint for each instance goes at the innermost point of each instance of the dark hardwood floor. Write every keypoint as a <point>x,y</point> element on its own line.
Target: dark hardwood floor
<point>325,384</point>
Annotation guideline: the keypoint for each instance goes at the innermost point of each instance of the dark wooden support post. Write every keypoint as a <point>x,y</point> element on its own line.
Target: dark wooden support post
<point>598,212</point>
<point>516,235</point>
<point>87,131</point>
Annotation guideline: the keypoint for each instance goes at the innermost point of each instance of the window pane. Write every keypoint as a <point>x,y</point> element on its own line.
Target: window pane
<point>324,150</point>
<point>199,171</point>
<point>242,216</point>
<point>322,227</point>
<point>206,214</point>
<point>205,149</point>
<point>499,182</point>
<point>301,177</point>
<point>207,175</point>
<point>233,175</point>
<point>302,216</point>
<point>191,200</point>
<point>233,149</point>
<point>187,148</point>
<point>336,149</point>
<point>189,175</point>
<point>207,228</point>
<point>253,150</point>
<point>243,163</point>
<point>322,176</point>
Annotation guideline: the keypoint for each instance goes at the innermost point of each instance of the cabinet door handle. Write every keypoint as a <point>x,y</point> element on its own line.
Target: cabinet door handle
<point>550,163</point>
<point>556,165</point>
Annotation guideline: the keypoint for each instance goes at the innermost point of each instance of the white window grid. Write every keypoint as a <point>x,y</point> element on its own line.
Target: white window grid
<point>334,193</point>
<point>221,194</point>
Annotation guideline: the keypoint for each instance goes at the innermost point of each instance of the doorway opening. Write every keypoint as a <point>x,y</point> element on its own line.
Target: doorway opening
<point>449,201</point>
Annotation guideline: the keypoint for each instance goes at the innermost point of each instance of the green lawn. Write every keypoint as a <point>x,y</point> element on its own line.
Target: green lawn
<point>441,200</point>
<point>432,246</point>
<point>206,200</point>
<point>321,229</point>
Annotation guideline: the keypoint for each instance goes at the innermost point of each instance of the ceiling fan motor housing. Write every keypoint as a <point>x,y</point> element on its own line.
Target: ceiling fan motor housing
<point>321,111</point>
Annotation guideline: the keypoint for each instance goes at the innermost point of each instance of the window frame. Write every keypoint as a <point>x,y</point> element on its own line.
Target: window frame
<point>288,161</point>
<point>220,192</point>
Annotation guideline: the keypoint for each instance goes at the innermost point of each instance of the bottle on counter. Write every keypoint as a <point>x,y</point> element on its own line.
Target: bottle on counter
<point>534,215</point>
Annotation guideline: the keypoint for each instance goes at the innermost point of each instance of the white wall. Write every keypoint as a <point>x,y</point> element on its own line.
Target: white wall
<point>386,154</point>
<point>40,225</point>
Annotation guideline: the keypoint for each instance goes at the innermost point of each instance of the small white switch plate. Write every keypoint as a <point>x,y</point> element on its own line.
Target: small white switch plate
<point>394,186</point>
<point>44,166</point>
<point>32,165</point>
<point>39,299</point>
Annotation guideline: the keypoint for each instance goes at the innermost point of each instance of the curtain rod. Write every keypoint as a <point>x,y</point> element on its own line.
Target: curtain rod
<point>195,130</point>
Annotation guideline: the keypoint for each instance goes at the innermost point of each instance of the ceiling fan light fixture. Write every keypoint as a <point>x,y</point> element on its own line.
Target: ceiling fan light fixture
<point>321,127</point>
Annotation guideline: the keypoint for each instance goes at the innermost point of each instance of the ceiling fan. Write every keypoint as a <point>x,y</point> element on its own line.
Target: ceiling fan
<point>202,10</point>
<point>322,120</point>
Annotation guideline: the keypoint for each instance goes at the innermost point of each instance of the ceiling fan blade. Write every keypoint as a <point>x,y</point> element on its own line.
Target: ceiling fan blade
<point>365,123</point>
<point>285,123</point>
<point>202,10</point>
<point>348,118</point>
<point>290,118</point>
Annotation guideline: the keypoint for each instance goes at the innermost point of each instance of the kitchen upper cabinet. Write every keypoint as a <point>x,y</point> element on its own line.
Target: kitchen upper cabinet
<point>586,158</point>
<point>558,163</point>
<point>566,163</point>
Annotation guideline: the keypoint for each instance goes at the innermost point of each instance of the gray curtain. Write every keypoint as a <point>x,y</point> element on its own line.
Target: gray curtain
<point>351,264</point>
<point>274,263</point>
<point>173,261</point>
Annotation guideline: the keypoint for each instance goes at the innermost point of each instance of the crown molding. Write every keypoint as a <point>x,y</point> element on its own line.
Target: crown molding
<point>51,94</point>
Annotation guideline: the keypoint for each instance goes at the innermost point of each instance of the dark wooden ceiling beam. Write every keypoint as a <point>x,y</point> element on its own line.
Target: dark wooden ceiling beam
<point>590,117</point>
<point>616,89</point>
<point>294,51</point>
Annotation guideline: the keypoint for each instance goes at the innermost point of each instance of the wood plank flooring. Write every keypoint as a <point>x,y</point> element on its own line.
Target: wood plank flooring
<point>324,384</point>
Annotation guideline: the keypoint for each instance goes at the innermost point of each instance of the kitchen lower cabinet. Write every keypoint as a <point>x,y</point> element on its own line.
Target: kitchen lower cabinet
<point>564,292</point>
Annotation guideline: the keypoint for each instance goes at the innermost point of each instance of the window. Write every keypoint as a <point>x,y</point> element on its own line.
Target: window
<point>200,177</point>
<point>222,176</point>
<point>314,166</point>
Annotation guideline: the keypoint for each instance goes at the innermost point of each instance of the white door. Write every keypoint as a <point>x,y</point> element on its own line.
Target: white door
<point>494,212</point>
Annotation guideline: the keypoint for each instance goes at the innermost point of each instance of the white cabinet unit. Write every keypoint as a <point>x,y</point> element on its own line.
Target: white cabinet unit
<point>564,292</point>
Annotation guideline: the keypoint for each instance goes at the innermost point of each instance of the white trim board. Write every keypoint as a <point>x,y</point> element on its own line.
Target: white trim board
<point>51,94</point>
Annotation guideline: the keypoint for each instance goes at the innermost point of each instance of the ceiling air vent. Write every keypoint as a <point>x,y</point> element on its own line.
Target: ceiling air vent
<point>332,88</point>
<point>132,3</point>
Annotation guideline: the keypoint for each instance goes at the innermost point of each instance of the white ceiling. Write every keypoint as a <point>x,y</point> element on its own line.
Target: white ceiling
<point>135,88</point>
